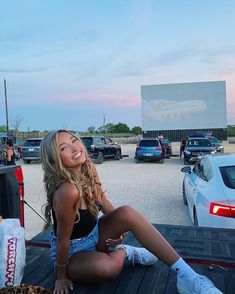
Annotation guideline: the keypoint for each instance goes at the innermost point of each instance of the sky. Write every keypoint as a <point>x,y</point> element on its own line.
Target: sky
<point>72,64</point>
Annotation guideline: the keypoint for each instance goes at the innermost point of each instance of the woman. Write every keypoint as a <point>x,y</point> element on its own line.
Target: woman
<point>182,146</point>
<point>10,153</point>
<point>81,243</point>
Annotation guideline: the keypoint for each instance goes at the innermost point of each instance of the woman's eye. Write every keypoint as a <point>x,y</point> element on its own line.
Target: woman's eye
<point>63,148</point>
<point>74,140</point>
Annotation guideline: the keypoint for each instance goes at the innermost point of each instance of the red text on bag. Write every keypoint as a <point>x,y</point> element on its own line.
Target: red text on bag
<point>11,261</point>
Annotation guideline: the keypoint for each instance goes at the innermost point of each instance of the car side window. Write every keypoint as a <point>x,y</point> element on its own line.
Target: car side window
<point>207,170</point>
<point>197,168</point>
<point>204,170</point>
<point>103,141</point>
<point>109,141</point>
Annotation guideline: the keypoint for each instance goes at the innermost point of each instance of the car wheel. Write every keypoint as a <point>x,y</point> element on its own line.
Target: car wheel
<point>161,160</point>
<point>26,161</point>
<point>184,194</point>
<point>100,158</point>
<point>137,160</point>
<point>117,155</point>
<point>195,219</point>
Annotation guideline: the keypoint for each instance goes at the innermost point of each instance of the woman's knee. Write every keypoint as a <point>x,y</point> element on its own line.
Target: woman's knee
<point>126,212</point>
<point>109,270</point>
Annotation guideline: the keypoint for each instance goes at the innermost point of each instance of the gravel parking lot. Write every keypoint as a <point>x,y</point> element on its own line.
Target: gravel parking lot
<point>154,189</point>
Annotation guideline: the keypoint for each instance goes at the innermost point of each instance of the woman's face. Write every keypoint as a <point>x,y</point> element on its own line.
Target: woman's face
<point>72,151</point>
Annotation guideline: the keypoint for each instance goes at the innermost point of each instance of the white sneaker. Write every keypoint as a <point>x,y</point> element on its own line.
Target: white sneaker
<point>200,285</point>
<point>138,255</point>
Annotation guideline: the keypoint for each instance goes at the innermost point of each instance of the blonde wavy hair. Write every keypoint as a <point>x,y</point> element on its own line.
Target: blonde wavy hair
<point>55,173</point>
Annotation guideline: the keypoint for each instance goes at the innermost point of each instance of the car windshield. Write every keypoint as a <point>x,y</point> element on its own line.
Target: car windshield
<point>199,143</point>
<point>148,143</point>
<point>32,143</point>
<point>228,175</point>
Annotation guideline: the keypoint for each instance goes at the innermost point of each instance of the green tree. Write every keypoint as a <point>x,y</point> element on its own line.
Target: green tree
<point>91,129</point>
<point>121,128</point>
<point>136,130</point>
<point>3,128</point>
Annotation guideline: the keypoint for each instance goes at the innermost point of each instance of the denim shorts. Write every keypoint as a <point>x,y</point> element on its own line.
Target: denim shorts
<point>87,243</point>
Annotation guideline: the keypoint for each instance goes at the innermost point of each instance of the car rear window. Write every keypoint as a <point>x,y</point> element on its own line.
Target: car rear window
<point>228,175</point>
<point>148,143</point>
<point>199,143</point>
<point>32,143</point>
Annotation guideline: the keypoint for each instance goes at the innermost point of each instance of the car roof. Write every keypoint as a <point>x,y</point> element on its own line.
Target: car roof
<point>222,159</point>
<point>31,139</point>
<point>198,138</point>
<point>149,139</point>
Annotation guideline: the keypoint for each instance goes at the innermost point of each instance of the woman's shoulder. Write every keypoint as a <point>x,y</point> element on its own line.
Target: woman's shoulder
<point>67,190</point>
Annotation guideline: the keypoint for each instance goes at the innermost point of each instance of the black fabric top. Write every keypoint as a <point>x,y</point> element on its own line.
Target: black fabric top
<point>82,228</point>
<point>13,159</point>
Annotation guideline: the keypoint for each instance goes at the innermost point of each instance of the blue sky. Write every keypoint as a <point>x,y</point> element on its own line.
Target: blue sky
<point>67,63</point>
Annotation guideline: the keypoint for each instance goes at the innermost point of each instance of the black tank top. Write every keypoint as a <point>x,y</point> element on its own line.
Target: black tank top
<point>82,228</point>
<point>13,159</point>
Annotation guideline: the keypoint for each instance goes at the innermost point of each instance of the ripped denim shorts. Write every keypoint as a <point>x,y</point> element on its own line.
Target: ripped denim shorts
<point>87,243</point>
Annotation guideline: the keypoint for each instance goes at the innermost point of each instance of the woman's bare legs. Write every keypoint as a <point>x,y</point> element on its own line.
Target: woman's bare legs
<point>125,219</point>
<point>99,266</point>
<point>95,267</point>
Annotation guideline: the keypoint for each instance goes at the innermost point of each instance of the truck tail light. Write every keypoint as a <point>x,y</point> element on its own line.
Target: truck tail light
<point>222,210</point>
<point>158,148</point>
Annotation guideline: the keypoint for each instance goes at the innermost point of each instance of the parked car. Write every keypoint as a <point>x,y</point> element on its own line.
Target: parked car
<point>167,146</point>
<point>31,150</point>
<point>100,148</point>
<point>149,149</point>
<point>216,143</point>
<point>209,191</point>
<point>197,147</point>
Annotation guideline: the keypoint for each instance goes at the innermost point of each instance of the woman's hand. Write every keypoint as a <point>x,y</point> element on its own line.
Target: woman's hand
<point>62,286</point>
<point>114,242</point>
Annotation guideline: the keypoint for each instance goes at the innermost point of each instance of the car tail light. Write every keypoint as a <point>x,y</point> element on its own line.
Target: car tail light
<point>222,210</point>
<point>158,148</point>
<point>138,148</point>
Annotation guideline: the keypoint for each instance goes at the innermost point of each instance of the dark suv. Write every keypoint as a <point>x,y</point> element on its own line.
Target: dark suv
<point>100,148</point>
<point>197,147</point>
<point>31,150</point>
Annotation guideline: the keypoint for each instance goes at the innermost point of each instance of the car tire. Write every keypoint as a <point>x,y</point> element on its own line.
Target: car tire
<point>137,160</point>
<point>185,162</point>
<point>161,160</point>
<point>195,219</point>
<point>100,158</point>
<point>184,195</point>
<point>117,155</point>
<point>26,161</point>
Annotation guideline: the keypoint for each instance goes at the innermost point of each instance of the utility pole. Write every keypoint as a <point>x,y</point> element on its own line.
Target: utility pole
<point>103,121</point>
<point>5,91</point>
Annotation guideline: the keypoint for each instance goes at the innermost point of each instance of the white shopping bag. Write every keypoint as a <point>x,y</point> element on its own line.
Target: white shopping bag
<point>12,252</point>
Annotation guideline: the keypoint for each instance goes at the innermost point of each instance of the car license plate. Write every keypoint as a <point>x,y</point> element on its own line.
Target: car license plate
<point>31,149</point>
<point>148,154</point>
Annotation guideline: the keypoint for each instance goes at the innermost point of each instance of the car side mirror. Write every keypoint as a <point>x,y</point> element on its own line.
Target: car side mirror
<point>186,169</point>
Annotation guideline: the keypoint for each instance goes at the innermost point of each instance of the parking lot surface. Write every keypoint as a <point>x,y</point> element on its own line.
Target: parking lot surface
<point>154,189</point>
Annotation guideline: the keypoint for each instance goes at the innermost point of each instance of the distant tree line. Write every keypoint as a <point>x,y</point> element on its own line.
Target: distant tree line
<point>115,129</point>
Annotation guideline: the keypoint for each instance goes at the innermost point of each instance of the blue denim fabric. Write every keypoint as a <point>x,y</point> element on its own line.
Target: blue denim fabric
<point>87,243</point>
